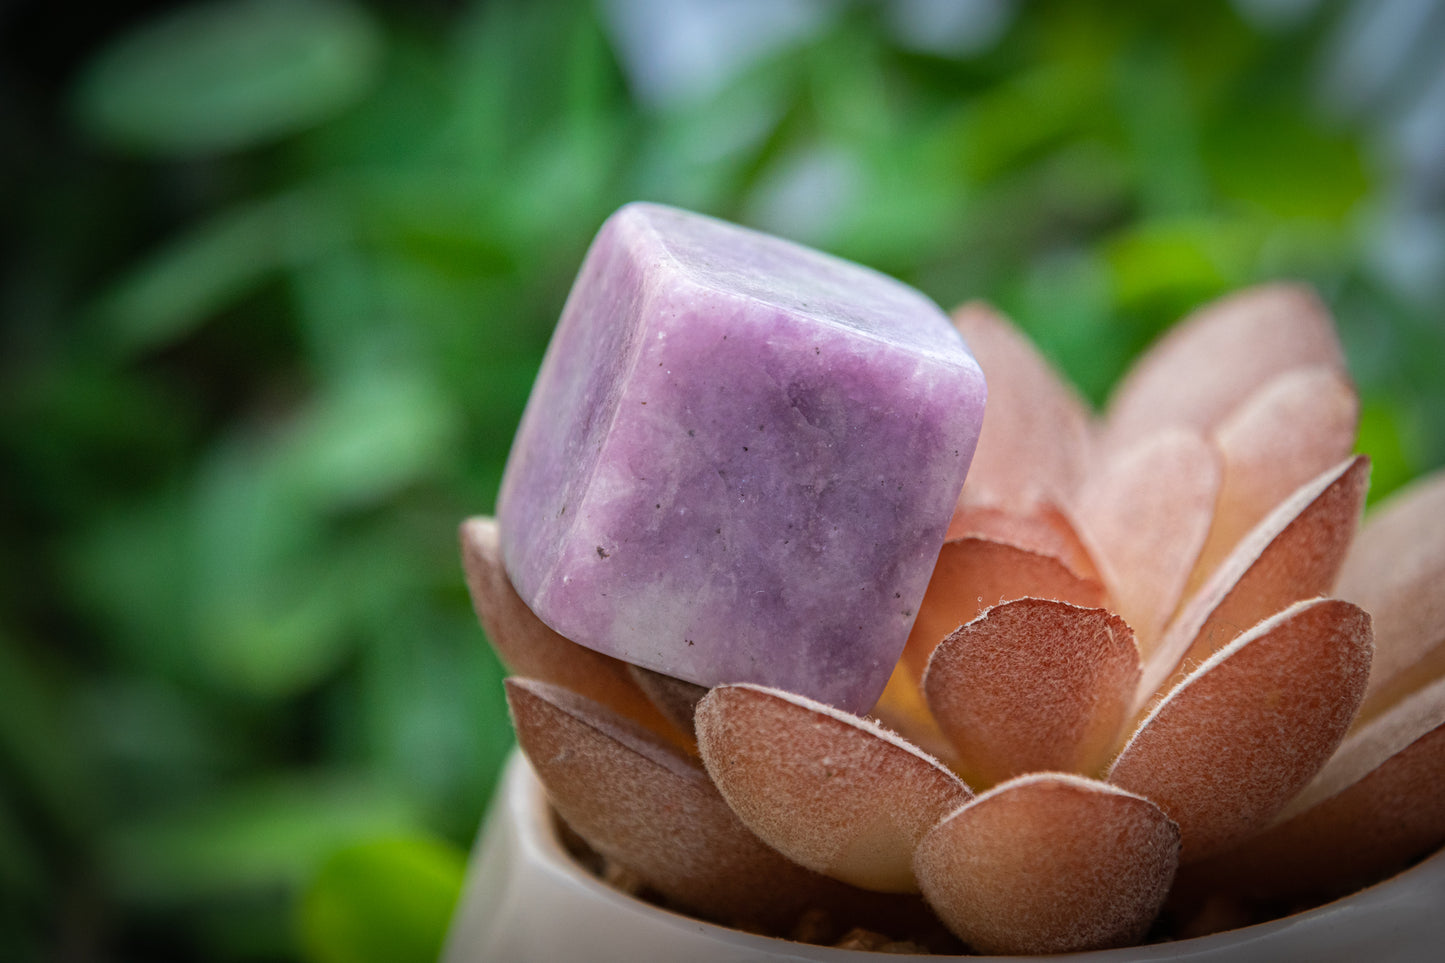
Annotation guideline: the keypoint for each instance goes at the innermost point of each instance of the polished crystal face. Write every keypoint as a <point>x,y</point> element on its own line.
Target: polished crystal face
<point>739,459</point>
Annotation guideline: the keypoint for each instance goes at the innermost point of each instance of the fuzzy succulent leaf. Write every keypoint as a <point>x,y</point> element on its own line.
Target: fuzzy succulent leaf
<point>833,791</point>
<point>1243,733</point>
<point>1050,863</point>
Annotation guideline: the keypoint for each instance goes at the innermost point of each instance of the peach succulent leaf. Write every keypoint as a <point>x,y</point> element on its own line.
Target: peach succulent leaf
<point>1049,863</point>
<point>528,647</point>
<point>675,698</point>
<point>833,792</point>
<point>1145,514</point>
<point>1040,527</point>
<point>1197,373</point>
<point>976,572</point>
<point>1033,685</point>
<point>1035,439</point>
<point>1294,553</point>
<point>1290,430</point>
<point>1396,571</point>
<point>903,708</point>
<point>649,807</point>
<point>1241,735</point>
<point>1374,807</point>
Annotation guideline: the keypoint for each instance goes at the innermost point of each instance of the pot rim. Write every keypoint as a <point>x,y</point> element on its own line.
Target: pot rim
<point>1403,910</point>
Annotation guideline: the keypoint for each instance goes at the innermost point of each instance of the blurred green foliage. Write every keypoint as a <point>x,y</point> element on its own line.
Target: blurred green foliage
<point>277,296</point>
<point>384,900</point>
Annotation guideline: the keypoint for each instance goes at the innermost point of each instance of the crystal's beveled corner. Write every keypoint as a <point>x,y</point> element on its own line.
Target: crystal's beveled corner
<point>526,900</point>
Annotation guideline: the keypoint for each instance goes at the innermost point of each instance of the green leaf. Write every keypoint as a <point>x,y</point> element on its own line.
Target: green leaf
<point>279,633</point>
<point>249,838</point>
<point>38,742</point>
<point>212,266</point>
<point>1385,435</point>
<point>432,711</point>
<point>228,75</point>
<point>1168,265</point>
<point>382,901</point>
<point>1063,302</point>
<point>439,215</point>
<point>23,872</point>
<point>154,741</point>
<point>1162,130</point>
<point>370,437</point>
<point>1277,161</point>
<point>130,571</point>
<point>270,603</point>
<point>1014,122</point>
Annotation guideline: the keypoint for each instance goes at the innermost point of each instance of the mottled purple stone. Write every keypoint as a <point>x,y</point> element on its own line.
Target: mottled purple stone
<point>739,459</point>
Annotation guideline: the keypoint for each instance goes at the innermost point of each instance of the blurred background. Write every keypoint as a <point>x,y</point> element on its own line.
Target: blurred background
<point>277,274</point>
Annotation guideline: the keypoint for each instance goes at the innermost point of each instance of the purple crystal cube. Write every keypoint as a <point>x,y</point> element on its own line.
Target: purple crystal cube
<point>739,459</point>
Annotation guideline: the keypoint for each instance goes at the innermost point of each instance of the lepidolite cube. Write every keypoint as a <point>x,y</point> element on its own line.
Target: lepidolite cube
<point>739,459</point>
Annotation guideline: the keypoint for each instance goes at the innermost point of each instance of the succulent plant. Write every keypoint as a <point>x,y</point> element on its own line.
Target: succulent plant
<point>1141,675</point>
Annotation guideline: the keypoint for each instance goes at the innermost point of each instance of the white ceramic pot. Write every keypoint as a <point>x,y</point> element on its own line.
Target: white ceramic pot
<point>526,900</point>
